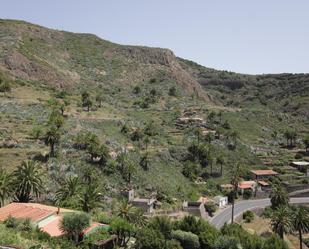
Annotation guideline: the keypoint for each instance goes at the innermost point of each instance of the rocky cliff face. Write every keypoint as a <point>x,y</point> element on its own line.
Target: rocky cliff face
<point>63,59</point>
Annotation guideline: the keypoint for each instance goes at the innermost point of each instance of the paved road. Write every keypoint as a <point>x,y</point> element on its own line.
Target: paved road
<point>224,216</point>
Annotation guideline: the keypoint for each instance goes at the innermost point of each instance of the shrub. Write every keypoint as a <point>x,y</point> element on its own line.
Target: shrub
<point>11,222</point>
<point>267,212</point>
<point>148,238</point>
<point>247,194</point>
<point>226,242</point>
<point>136,90</point>
<point>25,225</point>
<point>210,208</point>
<point>187,240</point>
<point>275,242</point>
<point>153,80</point>
<point>103,218</point>
<point>100,234</point>
<point>172,91</point>
<point>36,132</point>
<point>248,216</point>
<point>208,238</point>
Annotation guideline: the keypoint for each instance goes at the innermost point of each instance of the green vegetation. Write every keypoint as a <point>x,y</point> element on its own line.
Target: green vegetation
<point>90,118</point>
<point>248,216</point>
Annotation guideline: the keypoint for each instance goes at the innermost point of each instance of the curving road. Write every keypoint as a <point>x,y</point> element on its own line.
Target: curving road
<point>224,216</point>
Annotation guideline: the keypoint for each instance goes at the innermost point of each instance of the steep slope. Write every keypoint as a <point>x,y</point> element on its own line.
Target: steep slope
<point>142,91</point>
<point>288,93</point>
<point>68,60</point>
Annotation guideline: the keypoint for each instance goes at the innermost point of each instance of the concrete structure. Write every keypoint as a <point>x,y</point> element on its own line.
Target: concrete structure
<point>221,201</point>
<point>128,194</point>
<point>47,218</point>
<point>195,208</point>
<point>302,166</point>
<point>146,204</point>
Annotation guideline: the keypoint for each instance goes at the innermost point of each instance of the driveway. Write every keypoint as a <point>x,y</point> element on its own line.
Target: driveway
<point>224,216</point>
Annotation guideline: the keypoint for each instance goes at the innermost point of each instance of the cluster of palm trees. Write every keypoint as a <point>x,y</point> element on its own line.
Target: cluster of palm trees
<point>285,218</point>
<point>290,136</point>
<point>21,185</point>
<point>85,194</point>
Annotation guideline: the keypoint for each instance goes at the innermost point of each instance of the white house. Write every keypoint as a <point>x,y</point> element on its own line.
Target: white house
<point>221,201</point>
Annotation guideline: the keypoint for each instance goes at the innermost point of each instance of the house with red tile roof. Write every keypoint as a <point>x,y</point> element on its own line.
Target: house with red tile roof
<point>263,173</point>
<point>47,218</point>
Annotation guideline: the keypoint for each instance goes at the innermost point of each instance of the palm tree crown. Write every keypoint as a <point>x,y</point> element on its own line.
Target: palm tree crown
<point>300,218</point>
<point>27,182</point>
<point>281,221</point>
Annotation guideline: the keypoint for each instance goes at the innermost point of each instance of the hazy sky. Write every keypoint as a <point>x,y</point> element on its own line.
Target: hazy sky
<point>262,36</point>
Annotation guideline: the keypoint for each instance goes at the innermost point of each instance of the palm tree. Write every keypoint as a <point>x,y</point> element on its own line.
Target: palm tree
<point>300,218</point>
<point>52,137</point>
<point>69,189</point>
<point>236,178</point>
<point>220,160</point>
<point>5,186</point>
<point>128,169</point>
<point>126,211</point>
<point>28,181</point>
<point>290,136</point>
<point>90,198</point>
<point>281,221</point>
<point>144,162</point>
<point>279,196</point>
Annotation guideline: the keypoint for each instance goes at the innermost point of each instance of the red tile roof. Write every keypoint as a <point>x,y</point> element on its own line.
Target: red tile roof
<point>246,184</point>
<point>264,172</point>
<point>45,216</point>
<point>23,211</point>
<point>263,183</point>
<point>52,228</point>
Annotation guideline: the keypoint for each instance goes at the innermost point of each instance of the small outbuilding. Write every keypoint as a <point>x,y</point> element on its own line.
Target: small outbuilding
<point>221,201</point>
<point>302,166</point>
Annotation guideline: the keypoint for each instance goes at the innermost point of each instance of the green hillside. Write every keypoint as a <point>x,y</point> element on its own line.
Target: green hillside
<point>144,91</point>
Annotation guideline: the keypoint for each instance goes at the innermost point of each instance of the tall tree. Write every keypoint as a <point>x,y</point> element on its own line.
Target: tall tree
<point>129,169</point>
<point>6,190</point>
<point>27,181</point>
<point>69,189</point>
<point>290,136</point>
<point>144,162</point>
<point>300,219</point>
<point>278,196</point>
<point>52,137</point>
<point>73,225</point>
<point>90,197</point>
<point>220,160</point>
<point>235,179</point>
<point>281,221</point>
<point>123,229</point>
<point>125,210</point>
